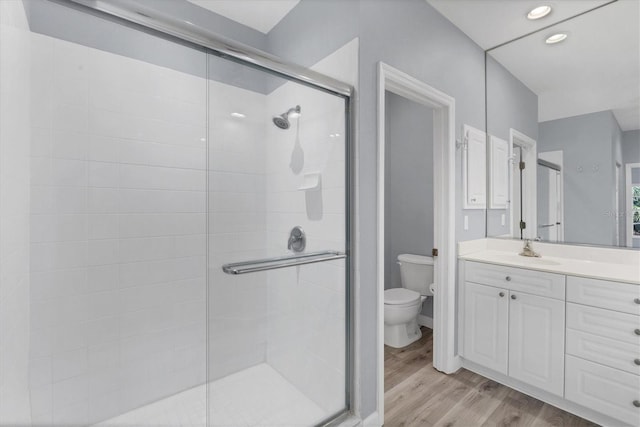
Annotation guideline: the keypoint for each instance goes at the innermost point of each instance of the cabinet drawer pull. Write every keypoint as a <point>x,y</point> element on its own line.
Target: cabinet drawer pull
<point>637,331</point>
<point>637,361</point>
<point>637,300</point>
<point>513,297</point>
<point>508,278</point>
<point>501,294</point>
<point>636,403</point>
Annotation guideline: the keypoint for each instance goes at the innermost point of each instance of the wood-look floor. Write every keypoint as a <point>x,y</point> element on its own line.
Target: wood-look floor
<point>415,394</point>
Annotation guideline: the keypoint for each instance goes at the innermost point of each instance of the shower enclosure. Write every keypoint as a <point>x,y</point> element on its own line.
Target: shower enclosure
<point>184,243</point>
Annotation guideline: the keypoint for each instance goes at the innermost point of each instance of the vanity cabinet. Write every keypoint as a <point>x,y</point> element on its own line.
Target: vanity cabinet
<point>514,323</point>
<point>570,341</point>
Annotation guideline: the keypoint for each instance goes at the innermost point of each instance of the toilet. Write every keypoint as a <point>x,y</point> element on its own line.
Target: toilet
<point>402,305</point>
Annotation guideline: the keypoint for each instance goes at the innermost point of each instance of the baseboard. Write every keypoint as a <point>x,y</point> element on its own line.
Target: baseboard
<point>425,321</point>
<point>372,420</point>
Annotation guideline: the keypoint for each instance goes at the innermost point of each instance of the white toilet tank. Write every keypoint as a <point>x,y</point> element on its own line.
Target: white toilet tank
<point>416,272</point>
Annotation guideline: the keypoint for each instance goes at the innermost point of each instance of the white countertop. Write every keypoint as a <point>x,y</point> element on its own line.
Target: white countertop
<point>624,268</point>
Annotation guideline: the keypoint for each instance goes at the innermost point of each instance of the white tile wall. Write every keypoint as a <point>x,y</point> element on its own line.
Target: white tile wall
<point>118,242</point>
<point>14,224</point>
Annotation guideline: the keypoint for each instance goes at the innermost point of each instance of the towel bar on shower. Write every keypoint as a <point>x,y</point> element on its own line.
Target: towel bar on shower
<point>281,262</point>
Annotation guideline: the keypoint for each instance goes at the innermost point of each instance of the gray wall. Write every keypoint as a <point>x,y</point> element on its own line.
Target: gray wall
<point>587,145</point>
<point>510,104</point>
<point>408,185</point>
<point>631,146</point>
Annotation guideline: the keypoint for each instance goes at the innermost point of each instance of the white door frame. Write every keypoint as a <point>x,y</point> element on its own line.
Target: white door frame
<point>629,216</point>
<point>557,157</point>
<point>393,80</point>
<point>529,202</point>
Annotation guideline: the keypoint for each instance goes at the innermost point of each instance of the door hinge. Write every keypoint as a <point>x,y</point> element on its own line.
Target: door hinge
<point>434,252</point>
<point>521,166</point>
<point>523,225</point>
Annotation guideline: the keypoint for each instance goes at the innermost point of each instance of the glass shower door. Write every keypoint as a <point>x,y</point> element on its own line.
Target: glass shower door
<point>277,288</point>
<point>549,201</point>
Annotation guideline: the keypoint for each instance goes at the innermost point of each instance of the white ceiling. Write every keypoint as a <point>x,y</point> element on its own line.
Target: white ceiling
<point>261,15</point>
<point>493,22</point>
<point>597,68</point>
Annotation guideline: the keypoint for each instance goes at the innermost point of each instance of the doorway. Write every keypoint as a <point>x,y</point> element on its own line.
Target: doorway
<point>550,196</point>
<point>441,109</point>
<point>523,206</point>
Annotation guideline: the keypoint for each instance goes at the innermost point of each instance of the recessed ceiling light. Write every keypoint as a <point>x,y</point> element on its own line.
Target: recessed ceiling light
<point>556,38</point>
<point>238,115</point>
<point>539,12</point>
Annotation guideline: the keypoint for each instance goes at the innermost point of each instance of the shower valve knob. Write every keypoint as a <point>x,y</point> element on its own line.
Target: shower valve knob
<point>297,239</point>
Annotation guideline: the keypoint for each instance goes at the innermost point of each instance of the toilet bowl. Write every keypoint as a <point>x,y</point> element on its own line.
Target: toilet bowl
<point>402,305</point>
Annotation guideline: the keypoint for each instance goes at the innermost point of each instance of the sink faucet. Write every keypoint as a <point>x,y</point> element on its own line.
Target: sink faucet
<point>528,250</point>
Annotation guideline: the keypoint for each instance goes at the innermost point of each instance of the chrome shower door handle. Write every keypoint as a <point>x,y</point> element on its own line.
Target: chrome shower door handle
<point>281,262</point>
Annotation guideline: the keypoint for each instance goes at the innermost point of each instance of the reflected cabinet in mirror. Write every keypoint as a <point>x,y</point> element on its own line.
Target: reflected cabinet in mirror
<point>563,124</point>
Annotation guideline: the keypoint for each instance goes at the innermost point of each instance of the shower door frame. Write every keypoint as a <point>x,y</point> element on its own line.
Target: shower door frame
<point>148,19</point>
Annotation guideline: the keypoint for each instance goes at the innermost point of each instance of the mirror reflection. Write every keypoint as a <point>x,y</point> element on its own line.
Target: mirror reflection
<point>563,120</point>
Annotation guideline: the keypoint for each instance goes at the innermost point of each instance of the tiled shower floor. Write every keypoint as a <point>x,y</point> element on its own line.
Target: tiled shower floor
<point>258,396</point>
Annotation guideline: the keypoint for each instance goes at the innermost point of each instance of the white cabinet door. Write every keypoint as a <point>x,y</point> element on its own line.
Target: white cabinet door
<point>498,173</point>
<point>486,316</point>
<point>536,341</point>
<point>474,169</point>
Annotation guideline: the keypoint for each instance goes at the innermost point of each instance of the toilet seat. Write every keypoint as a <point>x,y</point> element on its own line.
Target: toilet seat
<point>400,296</point>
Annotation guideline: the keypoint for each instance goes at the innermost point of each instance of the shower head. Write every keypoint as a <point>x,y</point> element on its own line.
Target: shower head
<point>282,121</point>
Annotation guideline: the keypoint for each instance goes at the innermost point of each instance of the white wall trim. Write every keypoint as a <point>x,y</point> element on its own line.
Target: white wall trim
<point>530,157</point>
<point>425,321</point>
<point>393,80</point>
<point>629,214</point>
<point>372,420</point>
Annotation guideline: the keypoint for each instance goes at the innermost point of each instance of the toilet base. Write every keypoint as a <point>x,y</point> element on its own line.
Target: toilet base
<point>398,336</point>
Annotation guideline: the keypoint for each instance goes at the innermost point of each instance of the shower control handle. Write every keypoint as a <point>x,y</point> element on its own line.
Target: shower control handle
<point>297,239</point>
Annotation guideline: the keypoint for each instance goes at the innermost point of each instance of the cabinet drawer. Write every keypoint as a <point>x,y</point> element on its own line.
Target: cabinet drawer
<point>606,351</point>
<point>605,323</point>
<point>603,389</point>
<point>617,296</point>
<point>516,279</point>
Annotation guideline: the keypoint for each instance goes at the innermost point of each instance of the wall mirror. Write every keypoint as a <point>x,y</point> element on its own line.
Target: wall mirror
<point>563,138</point>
